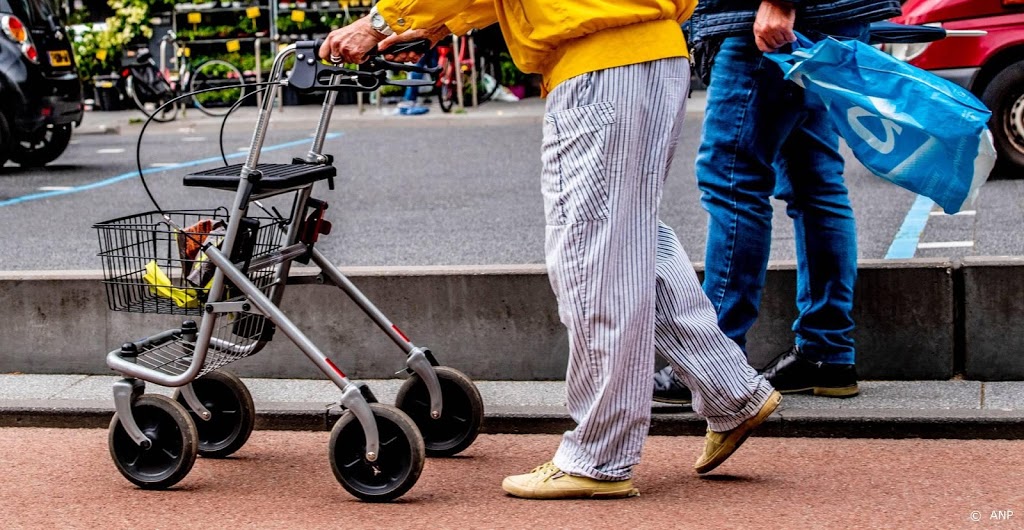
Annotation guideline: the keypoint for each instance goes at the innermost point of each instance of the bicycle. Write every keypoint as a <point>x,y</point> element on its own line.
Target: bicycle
<point>150,88</point>
<point>229,268</point>
<point>481,70</point>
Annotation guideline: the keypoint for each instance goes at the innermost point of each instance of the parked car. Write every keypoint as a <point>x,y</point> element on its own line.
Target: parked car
<point>40,92</point>
<point>991,65</point>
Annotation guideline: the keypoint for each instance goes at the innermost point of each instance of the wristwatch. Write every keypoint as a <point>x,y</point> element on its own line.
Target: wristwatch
<point>378,23</point>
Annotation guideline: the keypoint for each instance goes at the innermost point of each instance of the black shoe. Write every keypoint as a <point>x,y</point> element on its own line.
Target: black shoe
<point>669,389</point>
<point>791,373</point>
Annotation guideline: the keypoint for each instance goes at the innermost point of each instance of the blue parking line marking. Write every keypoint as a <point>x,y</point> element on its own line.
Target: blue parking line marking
<point>904,245</point>
<point>132,174</point>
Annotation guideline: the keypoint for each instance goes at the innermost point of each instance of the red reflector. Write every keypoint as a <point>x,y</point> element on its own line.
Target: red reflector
<point>31,53</point>
<point>46,111</point>
<point>400,334</point>
<point>335,368</point>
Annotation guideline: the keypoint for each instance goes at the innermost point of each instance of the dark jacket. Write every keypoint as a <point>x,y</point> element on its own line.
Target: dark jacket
<point>725,18</point>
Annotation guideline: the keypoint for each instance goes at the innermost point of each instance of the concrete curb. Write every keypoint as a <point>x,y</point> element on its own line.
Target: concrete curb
<point>921,319</point>
<point>665,421</point>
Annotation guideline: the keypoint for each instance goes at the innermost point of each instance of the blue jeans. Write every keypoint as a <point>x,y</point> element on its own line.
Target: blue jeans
<point>762,136</point>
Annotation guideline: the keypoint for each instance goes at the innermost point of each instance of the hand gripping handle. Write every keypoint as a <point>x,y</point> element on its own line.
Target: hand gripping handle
<point>310,73</point>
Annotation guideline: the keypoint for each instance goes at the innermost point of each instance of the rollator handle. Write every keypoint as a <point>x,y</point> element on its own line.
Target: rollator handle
<point>310,73</point>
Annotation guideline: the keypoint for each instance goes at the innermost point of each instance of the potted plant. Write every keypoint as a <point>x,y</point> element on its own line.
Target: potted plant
<point>511,77</point>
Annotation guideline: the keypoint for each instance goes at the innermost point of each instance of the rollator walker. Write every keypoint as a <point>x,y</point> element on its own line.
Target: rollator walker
<point>227,269</point>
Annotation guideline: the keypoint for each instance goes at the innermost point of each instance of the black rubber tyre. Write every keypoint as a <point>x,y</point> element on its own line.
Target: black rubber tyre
<point>5,141</point>
<point>396,469</point>
<point>44,148</point>
<point>462,411</point>
<point>1004,95</point>
<point>216,73</point>
<point>232,409</point>
<point>446,87</point>
<point>487,68</point>
<point>157,108</point>
<point>174,442</point>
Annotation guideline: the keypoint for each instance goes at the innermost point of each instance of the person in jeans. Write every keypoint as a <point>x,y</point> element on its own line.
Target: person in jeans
<point>409,106</point>
<point>764,135</point>
<point>615,73</point>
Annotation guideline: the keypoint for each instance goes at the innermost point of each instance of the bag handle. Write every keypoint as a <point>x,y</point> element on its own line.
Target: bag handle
<point>789,61</point>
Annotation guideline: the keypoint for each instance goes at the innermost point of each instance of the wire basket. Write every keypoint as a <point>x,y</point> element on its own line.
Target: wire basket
<point>152,265</point>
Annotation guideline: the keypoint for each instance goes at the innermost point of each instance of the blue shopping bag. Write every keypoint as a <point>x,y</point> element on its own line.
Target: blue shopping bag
<point>906,125</point>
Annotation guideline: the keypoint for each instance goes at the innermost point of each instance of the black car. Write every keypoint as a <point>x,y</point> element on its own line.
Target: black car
<point>40,92</point>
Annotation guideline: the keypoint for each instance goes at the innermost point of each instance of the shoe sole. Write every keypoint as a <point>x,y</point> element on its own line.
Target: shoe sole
<point>826,391</point>
<point>576,494</point>
<point>673,401</point>
<point>740,434</point>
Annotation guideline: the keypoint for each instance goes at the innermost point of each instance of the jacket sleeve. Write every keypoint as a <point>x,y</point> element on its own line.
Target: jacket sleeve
<point>459,15</point>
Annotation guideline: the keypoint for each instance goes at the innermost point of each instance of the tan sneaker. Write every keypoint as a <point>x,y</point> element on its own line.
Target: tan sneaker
<point>546,481</point>
<point>719,446</point>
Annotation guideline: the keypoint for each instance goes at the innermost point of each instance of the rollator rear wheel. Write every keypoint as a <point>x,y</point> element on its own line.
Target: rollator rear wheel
<point>398,466</point>
<point>174,442</point>
<point>462,411</point>
<point>232,409</point>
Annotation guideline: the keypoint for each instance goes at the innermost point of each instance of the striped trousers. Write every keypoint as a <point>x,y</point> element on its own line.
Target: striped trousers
<point>624,285</point>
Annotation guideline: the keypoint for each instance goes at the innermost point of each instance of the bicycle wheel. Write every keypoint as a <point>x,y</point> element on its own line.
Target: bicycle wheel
<point>151,102</point>
<point>446,85</point>
<point>216,74</point>
<point>486,68</point>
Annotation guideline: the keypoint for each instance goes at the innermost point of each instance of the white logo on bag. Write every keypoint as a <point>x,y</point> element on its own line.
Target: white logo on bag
<point>853,117</point>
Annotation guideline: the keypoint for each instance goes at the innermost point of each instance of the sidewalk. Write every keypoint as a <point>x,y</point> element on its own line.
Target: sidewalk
<point>129,121</point>
<point>885,409</point>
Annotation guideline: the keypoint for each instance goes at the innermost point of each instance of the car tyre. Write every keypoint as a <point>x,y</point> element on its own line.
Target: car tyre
<point>5,141</point>
<point>45,148</point>
<point>1005,97</point>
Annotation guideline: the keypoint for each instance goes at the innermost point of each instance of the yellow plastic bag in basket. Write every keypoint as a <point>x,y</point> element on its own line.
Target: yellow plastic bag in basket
<point>162,287</point>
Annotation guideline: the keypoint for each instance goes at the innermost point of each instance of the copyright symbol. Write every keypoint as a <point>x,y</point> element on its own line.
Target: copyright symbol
<point>975,516</point>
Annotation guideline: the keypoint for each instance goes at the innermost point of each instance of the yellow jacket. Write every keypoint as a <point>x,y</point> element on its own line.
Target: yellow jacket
<point>559,39</point>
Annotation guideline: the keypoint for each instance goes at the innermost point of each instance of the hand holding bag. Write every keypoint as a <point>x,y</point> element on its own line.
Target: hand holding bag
<point>906,125</point>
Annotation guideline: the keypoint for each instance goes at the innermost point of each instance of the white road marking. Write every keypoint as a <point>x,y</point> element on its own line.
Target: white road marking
<point>946,244</point>
<point>965,212</point>
<point>54,188</point>
<point>110,151</point>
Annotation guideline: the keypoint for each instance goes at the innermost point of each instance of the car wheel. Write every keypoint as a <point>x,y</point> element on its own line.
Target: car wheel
<point>43,148</point>
<point>5,141</point>
<point>1005,97</point>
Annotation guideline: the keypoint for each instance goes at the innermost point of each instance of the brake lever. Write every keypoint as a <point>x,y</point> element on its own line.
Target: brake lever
<point>378,62</point>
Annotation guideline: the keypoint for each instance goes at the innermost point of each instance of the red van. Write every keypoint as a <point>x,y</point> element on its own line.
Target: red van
<point>991,66</point>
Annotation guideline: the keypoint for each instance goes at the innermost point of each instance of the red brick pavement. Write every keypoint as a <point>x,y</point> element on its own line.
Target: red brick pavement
<point>63,478</point>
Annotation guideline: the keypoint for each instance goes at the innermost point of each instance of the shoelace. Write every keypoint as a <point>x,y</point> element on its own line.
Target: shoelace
<point>547,469</point>
<point>771,364</point>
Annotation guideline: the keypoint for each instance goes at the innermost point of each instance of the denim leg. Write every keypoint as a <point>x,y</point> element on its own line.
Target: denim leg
<point>811,182</point>
<point>751,109</point>
<point>826,239</point>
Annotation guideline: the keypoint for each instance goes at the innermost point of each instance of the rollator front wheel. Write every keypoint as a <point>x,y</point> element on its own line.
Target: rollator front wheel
<point>233,413</point>
<point>173,443</point>
<point>398,466</point>
<point>462,411</point>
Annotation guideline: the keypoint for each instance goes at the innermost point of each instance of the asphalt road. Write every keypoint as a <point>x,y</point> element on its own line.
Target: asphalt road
<point>426,191</point>
<point>64,478</point>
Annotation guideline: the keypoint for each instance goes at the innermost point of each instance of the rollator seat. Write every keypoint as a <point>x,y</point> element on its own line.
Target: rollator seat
<point>276,177</point>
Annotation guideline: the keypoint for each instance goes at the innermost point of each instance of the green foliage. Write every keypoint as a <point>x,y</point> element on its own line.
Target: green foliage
<point>97,50</point>
<point>510,74</point>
